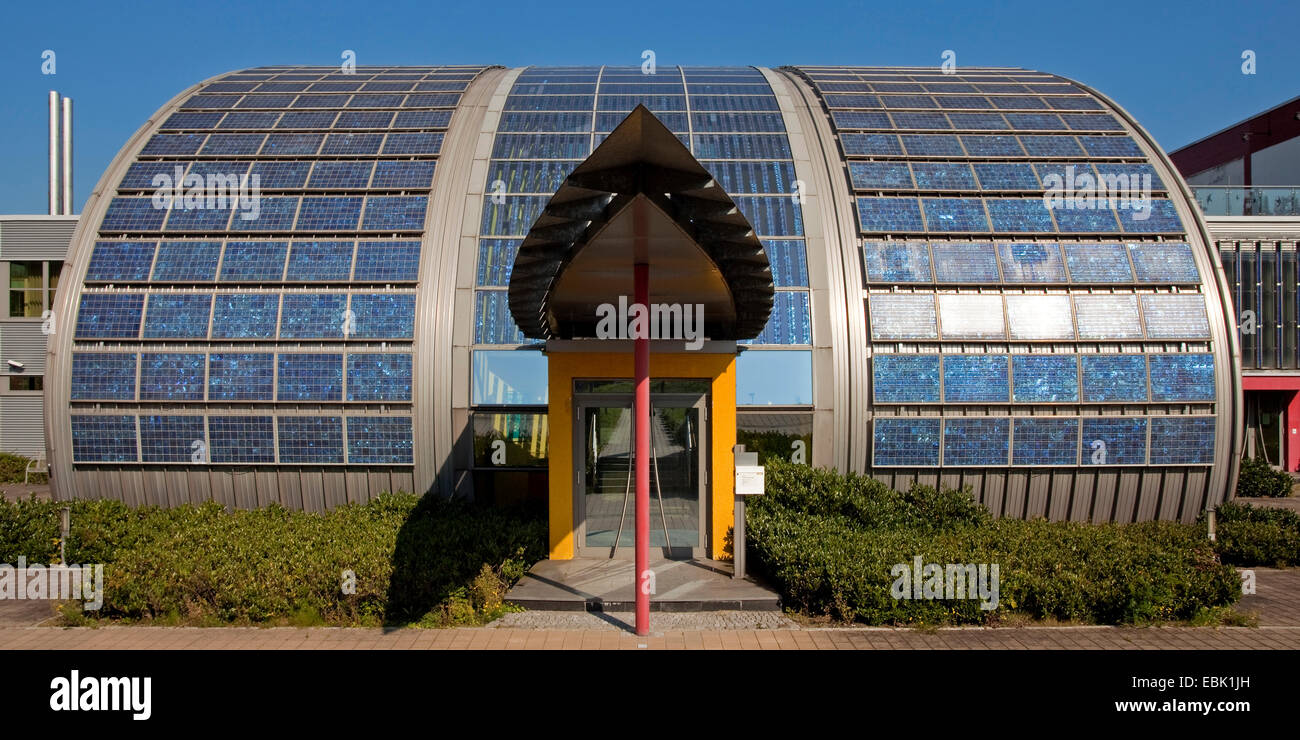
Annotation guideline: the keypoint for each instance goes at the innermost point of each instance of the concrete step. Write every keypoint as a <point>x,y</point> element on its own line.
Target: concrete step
<point>607,585</point>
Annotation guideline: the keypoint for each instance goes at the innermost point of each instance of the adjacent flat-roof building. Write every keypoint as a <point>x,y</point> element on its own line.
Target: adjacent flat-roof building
<point>350,326</point>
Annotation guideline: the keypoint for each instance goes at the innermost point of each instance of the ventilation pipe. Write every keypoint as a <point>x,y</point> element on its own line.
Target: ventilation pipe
<point>67,156</point>
<point>54,154</point>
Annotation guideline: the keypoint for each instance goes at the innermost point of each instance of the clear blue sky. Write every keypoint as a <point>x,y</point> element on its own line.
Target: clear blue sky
<point>1176,66</point>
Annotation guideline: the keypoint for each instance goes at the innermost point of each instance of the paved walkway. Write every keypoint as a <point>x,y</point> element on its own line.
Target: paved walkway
<point>1277,605</point>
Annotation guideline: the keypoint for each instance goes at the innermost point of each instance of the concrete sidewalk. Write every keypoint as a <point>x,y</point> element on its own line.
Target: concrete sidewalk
<point>1277,606</point>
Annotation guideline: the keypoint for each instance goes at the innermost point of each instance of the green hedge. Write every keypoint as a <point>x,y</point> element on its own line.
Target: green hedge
<point>414,559</point>
<point>1258,479</point>
<point>829,541</point>
<point>14,467</point>
<point>1257,536</point>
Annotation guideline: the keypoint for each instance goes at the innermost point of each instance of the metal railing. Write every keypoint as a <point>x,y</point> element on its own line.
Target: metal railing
<point>1219,200</point>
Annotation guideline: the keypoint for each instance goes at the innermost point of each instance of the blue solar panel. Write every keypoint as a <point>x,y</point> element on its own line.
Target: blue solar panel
<point>741,146</point>
<point>905,442</point>
<point>493,323</point>
<point>1019,215</point>
<point>388,261</point>
<point>788,261</point>
<point>1110,146</point>
<point>174,144</point>
<point>411,174</point>
<point>329,213</point>
<point>186,261</point>
<point>1045,441</point>
<point>955,262</point>
<point>383,316</point>
<point>235,376</point>
<point>103,376</point>
<point>1031,262</point>
<point>120,261</point>
<point>1040,317</point>
<point>1131,177</point>
<point>315,315</point>
<point>771,216</point>
<point>241,439</point>
<point>921,121</point>
<point>422,119</point>
<point>871,144</point>
<point>1006,176</point>
<point>1182,377</point>
<point>379,377</point>
<point>414,143</point>
<point>976,441</point>
<point>293,143</point>
<point>364,119</point>
<point>1051,146</point>
<point>352,144</point>
<point>245,315</point>
<point>541,146</point>
<point>280,174</point>
<point>955,214</point>
<point>902,316</point>
<point>109,316</point>
<point>379,440</point>
<point>311,439</point>
<point>274,214</point>
<point>734,102</point>
<point>395,212</point>
<point>790,321</point>
<point>200,218</point>
<point>1159,217</point>
<point>496,257</point>
<point>943,176</point>
<point>769,122</point>
<point>975,379</point>
<point>897,262</point>
<point>346,175</point>
<point>1073,103</point>
<point>905,378</point>
<point>1045,378</point>
<point>191,121</point>
<point>1164,262</point>
<point>249,120</point>
<point>1113,378</point>
<point>992,146</point>
<point>233,144</point>
<point>310,377</point>
<point>932,145</point>
<point>857,101</point>
<point>1182,440</point>
<point>142,174</point>
<point>1098,263</point>
<point>171,377</point>
<point>895,101</point>
<point>309,119</point>
<point>1092,122</point>
<point>1114,441</point>
<point>320,261</point>
<point>1108,316</point>
<point>880,175</point>
<point>889,215</point>
<point>978,121</point>
<point>171,439</point>
<point>132,214</point>
<point>253,261</point>
<point>1097,219</point>
<point>103,438</point>
<point>177,315</point>
<point>513,216</point>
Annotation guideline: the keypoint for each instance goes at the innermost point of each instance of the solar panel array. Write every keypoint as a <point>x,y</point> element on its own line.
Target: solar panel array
<point>264,246</point>
<point>1021,255</point>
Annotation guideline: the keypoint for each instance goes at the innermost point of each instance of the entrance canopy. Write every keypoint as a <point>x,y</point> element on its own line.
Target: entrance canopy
<point>640,198</point>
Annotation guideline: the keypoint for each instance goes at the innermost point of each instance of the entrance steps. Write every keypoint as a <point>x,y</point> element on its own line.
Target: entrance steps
<point>603,584</point>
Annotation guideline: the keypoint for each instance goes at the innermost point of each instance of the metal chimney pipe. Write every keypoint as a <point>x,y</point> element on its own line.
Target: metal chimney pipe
<point>67,156</point>
<point>54,153</point>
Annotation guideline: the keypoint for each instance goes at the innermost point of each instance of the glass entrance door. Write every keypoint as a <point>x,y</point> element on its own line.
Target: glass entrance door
<point>606,506</point>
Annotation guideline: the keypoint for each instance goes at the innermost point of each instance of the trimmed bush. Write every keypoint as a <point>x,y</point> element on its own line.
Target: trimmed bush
<point>1258,536</point>
<point>829,542</point>
<point>415,559</point>
<point>1258,479</point>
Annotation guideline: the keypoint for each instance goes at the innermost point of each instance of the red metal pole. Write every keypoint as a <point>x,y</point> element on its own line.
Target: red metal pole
<point>642,411</point>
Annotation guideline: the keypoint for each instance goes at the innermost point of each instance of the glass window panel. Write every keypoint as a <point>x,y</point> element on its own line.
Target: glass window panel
<point>905,378</point>
<point>774,378</point>
<point>509,377</point>
<point>177,315</point>
<point>741,146</point>
<point>496,257</point>
<point>790,321</point>
<point>1112,378</point>
<point>493,323</point>
<point>236,376</point>
<point>955,262</point>
<point>774,436</point>
<point>245,315</point>
<point>241,439</point>
<point>541,146</point>
<point>975,379</point>
<point>1182,440</point>
<point>905,442</point>
<point>513,216</point>
<point>1030,262</point>
<point>171,439</point>
<point>971,316</point>
<point>1175,316</point>
<point>1108,317</point>
<point>1114,441</point>
<point>311,439</point>
<point>976,441</point>
<point>1182,377</point>
<point>524,436</point>
<point>1098,263</point>
<point>171,377</point>
<point>120,261</point>
<point>1045,441</point>
<point>1045,378</point>
<point>772,216</point>
<point>103,438</point>
<point>902,316</point>
<point>379,440</point>
<point>103,376</point>
<point>788,262</point>
<point>1040,317</point>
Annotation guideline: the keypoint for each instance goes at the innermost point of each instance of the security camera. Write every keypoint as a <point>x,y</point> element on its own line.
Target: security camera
<point>16,364</point>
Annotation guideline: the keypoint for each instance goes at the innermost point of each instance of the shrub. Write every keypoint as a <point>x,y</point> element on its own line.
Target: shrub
<point>1258,479</point>
<point>1257,536</point>
<point>829,541</point>
<point>412,558</point>
<point>14,467</point>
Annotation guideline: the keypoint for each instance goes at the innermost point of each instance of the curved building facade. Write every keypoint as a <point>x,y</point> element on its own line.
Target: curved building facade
<point>339,323</point>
